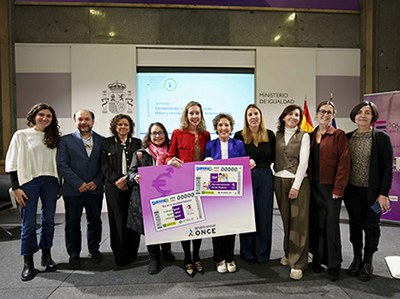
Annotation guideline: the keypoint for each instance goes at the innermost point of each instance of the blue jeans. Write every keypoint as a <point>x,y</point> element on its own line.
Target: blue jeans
<point>73,212</point>
<point>45,187</point>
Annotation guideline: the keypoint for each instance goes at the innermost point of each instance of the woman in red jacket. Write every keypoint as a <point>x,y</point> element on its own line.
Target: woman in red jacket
<point>188,145</point>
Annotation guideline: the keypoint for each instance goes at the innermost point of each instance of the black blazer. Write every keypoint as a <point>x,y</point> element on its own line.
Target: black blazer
<point>380,165</point>
<point>111,162</point>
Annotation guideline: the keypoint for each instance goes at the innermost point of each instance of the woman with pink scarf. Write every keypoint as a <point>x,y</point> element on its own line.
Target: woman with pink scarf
<point>153,152</point>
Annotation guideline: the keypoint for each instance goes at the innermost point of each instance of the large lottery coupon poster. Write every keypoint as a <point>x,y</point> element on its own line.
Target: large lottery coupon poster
<point>199,200</point>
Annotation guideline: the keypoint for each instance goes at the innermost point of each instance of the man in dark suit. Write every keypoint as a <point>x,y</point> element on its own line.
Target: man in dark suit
<point>79,164</point>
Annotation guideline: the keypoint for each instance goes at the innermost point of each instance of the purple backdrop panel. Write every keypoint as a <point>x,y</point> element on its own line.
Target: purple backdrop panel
<point>316,4</point>
<point>306,4</point>
<point>172,189</point>
<point>389,121</point>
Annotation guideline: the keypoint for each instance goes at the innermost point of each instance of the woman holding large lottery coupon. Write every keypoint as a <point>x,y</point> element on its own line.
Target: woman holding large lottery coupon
<point>153,152</point>
<point>224,147</point>
<point>260,146</point>
<point>188,145</point>
<point>292,188</point>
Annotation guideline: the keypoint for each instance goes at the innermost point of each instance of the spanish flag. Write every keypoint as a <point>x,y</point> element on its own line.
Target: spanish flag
<point>306,123</point>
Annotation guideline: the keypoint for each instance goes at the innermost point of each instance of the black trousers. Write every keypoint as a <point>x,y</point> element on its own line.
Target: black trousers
<point>224,247</point>
<point>155,252</point>
<point>196,251</point>
<point>325,243</point>
<point>73,212</point>
<point>124,241</point>
<point>362,219</point>
<point>257,246</point>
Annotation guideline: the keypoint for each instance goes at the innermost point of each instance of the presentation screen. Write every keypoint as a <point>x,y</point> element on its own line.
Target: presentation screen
<point>162,94</point>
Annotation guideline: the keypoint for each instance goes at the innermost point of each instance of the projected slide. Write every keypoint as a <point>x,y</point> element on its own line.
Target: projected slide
<point>161,96</point>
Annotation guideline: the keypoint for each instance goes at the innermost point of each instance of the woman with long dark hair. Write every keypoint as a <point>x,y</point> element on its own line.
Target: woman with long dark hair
<point>31,163</point>
<point>292,188</point>
<point>153,152</point>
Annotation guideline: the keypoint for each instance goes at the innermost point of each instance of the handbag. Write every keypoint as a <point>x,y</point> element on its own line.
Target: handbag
<point>135,217</point>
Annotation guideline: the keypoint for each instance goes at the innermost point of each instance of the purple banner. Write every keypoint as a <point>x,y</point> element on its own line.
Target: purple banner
<point>173,212</point>
<point>301,4</point>
<point>389,121</point>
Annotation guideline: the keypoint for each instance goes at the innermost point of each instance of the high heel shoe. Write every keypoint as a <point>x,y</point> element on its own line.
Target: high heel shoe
<point>189,270</point>
<point>199,267</point>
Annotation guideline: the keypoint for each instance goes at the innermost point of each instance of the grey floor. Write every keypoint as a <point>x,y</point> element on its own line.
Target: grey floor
<point>106,280</point>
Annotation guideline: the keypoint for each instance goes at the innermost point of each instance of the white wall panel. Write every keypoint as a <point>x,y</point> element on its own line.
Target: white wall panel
<point>284,76</point>
<point>340,62</point>
<point>94,67</point>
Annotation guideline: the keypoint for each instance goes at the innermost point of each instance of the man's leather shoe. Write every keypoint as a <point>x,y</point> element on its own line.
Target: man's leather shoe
<point>47,261</point>
<point>74,261</point>
<point>355,266</point>
<point>366,271</point>
<point>29,271</point>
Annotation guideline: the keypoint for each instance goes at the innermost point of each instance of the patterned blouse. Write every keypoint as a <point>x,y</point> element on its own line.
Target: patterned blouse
<point>360,151</point>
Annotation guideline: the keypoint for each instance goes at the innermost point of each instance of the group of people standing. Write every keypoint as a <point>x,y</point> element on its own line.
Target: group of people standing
<point>312,174</point>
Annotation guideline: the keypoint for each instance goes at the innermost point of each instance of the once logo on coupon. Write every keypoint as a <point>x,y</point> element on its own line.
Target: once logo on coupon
<point>209,230</point>
<point>207,168</point>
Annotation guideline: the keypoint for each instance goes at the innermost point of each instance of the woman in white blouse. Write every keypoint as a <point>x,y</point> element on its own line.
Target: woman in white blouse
<point>31,163</point>
<point>292,188</point>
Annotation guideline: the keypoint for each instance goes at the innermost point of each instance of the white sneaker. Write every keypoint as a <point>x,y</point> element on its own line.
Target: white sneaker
<point>284,261</point>
<point>221,267</point>
<point>296,274</point>
<point>231,266</point>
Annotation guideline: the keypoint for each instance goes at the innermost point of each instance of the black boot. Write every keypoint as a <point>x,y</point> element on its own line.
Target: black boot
<point>334,273</point>
<point>47,261</point>
<point>29,271</point>
<point>355,266</point>
<point>366,270</point>
<point>316,266</point>
<point>168,255</point>
<point>154,265</point>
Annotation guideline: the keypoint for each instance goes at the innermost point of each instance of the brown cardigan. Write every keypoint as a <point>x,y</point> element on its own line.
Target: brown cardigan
<point>334,159</point>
